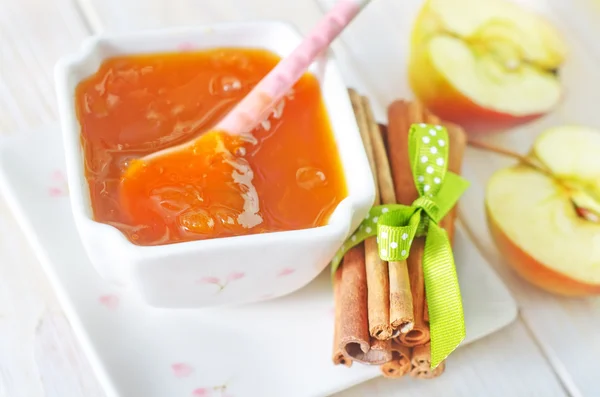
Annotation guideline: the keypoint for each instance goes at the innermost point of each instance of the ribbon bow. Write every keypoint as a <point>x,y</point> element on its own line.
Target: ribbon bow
<point>397,225</point>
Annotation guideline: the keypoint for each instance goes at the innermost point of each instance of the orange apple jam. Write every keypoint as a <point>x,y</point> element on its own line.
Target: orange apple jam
<point>288,177</point>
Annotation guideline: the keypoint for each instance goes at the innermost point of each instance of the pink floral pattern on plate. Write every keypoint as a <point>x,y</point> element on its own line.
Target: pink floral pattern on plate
<point>59,187</point>
<point>185,46</point>
<point>182,370</point>
<point>221,284</point>
<point>286,272</point>
<point>216,391</point>
<point>110,301</point>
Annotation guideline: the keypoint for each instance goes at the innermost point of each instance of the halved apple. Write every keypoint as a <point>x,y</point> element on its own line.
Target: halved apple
<point>485,64</point>
<point>546,222</point>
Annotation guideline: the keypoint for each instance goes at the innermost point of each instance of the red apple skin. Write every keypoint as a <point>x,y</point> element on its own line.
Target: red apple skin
<point>473,118</point>
<point>440,97</point>
<point>446,102</point>
<point>534,271</point>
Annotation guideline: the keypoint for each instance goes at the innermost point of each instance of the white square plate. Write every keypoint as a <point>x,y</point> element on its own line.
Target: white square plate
<point>275,348</point>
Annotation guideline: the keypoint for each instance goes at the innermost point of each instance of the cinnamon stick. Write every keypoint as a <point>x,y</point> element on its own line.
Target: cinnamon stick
<point>378,292</point>
<point>383,129</point>
<point>428,373</point>
<point>381,163</point>
<point>354,331</point>
<point>401,115</point>
<point>400,363</point>
<point>378,301</point>
<point>420,333</point>
<point>381,352</point>
<point>421,363</point>
<point>355,342</point>
<point>338,356</point>
<point>400,297</point>
<point>421,356</point>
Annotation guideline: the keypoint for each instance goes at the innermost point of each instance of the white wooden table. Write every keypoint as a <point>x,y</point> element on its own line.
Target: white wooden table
<point>551,350</point>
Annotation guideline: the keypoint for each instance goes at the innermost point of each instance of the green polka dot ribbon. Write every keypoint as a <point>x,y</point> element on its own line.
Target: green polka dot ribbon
<point>397,225</point>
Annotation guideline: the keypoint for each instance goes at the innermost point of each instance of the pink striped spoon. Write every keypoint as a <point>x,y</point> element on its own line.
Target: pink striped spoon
<point>259,102</point>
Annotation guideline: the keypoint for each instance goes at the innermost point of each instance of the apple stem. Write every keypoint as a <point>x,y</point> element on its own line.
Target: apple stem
<point>508,153</point>
<point>582,212</point>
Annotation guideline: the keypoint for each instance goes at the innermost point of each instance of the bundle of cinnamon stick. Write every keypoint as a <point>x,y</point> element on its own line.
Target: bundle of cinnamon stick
<point>381,315</point>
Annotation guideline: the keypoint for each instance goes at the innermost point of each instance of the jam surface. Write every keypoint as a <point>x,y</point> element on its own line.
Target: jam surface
<point>287,177</point>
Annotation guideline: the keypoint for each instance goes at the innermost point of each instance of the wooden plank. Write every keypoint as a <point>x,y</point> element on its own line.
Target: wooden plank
<point>127,15</point>
<point>57,354</point>
<point>33,35</point>
<point>38,355</point>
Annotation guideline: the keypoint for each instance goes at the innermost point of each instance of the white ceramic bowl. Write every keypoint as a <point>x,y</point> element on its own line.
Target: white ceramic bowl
<point>225,270</point>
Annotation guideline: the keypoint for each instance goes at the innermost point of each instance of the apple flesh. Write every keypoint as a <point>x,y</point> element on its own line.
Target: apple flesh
<point>484,64</point>
<point>546,225</point>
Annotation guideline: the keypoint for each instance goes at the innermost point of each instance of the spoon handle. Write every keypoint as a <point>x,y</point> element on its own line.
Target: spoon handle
<point>254,107</point>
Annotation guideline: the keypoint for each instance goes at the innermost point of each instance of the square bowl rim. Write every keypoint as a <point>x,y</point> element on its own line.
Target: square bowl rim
<point>67,65</point>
